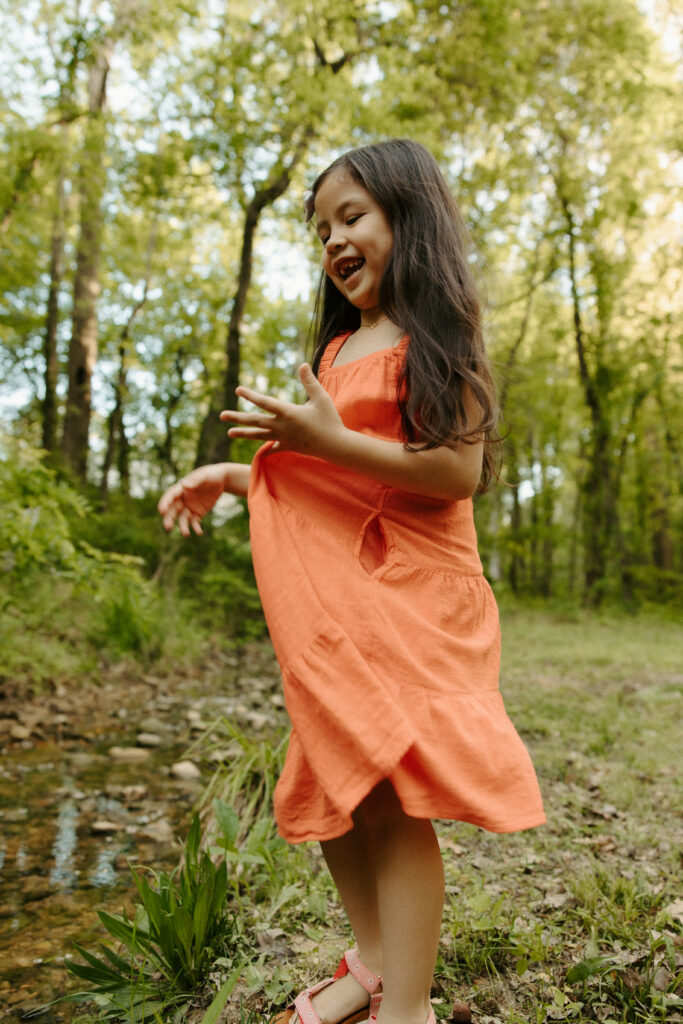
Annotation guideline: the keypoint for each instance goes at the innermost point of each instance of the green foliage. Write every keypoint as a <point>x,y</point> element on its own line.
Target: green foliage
<point>57,590</point>
<point>35,513</point>
<point>181,927</point>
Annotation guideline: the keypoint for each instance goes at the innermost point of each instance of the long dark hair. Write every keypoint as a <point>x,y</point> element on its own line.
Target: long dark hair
<point>428,290</point>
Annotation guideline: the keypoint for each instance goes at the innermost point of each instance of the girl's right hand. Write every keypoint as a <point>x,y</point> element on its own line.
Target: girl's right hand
<point>189,499</point>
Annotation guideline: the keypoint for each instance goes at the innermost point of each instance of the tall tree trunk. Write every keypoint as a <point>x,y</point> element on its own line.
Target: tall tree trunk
<point>516,567</point>
<point>600,510</point>
<point>214,444</point>
<point>116,432</point>
<point>51,323</point>
<point>83,344</point>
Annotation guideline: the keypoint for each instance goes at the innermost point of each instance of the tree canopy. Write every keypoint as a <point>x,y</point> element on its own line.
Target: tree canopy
<point>153,251</point>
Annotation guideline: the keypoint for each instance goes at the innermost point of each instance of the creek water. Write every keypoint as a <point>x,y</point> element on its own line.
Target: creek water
<point>74,813</point>
<point>56,871</point>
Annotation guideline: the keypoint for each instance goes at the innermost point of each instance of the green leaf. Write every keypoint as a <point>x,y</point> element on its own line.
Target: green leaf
<point>228,822</point>
<point>585,969</point>
<point>135,940</point>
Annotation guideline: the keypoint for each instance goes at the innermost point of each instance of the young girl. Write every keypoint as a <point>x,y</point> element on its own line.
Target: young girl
<point>366,559</point>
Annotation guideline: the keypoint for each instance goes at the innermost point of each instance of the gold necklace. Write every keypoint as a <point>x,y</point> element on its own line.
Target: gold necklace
<point>371,324</point>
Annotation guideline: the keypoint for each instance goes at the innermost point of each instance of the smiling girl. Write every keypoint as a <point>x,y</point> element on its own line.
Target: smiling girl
<point>366,559</point>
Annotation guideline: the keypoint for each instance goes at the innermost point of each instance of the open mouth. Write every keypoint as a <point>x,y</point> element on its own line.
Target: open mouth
<point>348,267</point>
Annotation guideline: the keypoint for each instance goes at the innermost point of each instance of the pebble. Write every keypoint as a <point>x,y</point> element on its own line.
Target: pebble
<point>148,739</point>
<point>159,831</point>
<point>152,724</point>
<point>133,794</point>
<point>186,770</point>
<point>103,827</point>
<point>35,887</point>
<point>20,732</point>
<point>128,755</point>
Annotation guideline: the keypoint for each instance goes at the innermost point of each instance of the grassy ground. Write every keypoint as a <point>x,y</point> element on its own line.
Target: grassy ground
<point>577,921</point>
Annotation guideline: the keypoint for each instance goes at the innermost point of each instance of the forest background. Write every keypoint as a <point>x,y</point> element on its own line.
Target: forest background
<point>153,255</point>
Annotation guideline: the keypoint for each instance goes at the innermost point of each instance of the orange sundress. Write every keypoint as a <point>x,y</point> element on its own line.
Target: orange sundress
<point>386,633</point>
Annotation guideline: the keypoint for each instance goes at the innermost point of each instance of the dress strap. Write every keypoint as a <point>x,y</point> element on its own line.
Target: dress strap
<point>330,353</point>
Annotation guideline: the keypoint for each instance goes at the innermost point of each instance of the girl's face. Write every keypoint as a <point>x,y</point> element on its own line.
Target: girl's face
<point>356,236</point>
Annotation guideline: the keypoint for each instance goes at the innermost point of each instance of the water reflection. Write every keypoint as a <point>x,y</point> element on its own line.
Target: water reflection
<point>103,872</point>
<point>63,872</point>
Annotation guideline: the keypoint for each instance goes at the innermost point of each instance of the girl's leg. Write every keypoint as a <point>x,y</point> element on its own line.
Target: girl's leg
<point>389,874</point>
<point>349,861</point>
<point>410,896</point>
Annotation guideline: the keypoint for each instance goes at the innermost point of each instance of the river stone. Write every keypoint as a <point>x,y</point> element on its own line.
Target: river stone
<point>152,724</point>
<point>159,831</point>
<point>133,794</point>
<point>148,739</point>
<point>185,770</point>
<point>35,887</point>
<point>128,755</point>
<point>103,827</point>
<point>20,732</point>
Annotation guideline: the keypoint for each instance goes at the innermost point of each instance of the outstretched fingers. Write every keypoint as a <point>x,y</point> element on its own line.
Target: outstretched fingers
<point>255,425</point>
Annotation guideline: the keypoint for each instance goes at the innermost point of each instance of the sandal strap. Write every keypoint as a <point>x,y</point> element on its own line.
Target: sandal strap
<point>352,964</point>
<point>305,1008</point>
<point>375,1001</point>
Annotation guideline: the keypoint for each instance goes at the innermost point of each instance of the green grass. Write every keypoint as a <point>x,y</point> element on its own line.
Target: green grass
<point>575,921</point>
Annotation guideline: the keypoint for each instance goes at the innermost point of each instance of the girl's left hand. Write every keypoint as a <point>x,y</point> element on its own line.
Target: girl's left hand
<point>310,429</point>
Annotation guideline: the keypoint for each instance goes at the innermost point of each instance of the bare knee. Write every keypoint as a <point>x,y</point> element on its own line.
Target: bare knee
<point>383,814</point>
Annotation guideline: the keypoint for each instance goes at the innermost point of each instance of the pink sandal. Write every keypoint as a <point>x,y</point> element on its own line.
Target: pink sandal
<point>350,963</point>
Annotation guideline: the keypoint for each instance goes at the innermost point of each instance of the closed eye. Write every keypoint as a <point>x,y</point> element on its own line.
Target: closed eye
<point>349,221</point>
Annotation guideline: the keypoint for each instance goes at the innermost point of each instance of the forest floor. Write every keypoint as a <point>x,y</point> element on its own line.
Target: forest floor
<point>579,920</point>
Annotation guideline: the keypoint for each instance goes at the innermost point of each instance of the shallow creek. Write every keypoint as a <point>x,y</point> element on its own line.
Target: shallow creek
<point>76,806</point>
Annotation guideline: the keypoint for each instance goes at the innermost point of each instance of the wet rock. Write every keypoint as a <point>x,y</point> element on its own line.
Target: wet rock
<point>19,732</point>
<point>14,815</point>
<point>128,755</point>
<point>102,827</point>
<point>34,888</point>
<point>148,739</point>
<point>133,794</point>
<point>152,724</point>
<point>159,831</point>
<point>185,770</point>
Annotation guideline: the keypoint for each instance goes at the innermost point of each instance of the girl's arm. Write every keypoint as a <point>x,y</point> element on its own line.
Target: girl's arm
<point>317,429</point>
<point>191,497</point>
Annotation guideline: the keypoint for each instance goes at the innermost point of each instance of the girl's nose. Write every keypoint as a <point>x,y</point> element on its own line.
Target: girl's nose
<point>334,241</point>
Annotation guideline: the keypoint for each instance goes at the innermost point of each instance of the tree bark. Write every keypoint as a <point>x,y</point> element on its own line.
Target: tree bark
<point>83,344</point>
<point>599,505</point>
<point>116,433</point>
<point>51,323</point>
